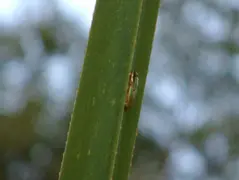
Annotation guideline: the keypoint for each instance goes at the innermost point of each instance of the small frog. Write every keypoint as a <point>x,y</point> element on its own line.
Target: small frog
<point>131,90</point>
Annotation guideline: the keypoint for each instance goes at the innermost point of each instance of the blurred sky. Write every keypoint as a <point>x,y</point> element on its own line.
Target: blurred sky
<point>11,10</point>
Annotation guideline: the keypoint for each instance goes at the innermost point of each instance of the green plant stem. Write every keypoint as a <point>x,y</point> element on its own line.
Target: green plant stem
<point>144,42</point>
<point>94,130</point>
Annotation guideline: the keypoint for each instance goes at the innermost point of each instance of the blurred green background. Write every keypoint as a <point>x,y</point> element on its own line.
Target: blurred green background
<point>189,122</point>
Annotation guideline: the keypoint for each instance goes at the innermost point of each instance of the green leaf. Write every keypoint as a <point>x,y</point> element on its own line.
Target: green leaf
<point>94,131</point>
<point>144,42</point>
